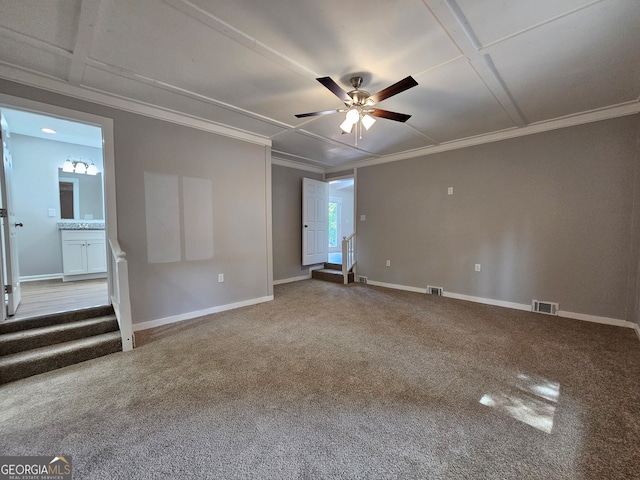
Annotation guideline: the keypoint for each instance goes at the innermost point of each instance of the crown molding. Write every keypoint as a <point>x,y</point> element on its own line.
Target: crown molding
<point>37,80</point>
<point>621,110</point>
<point>32,79</point>
<point>291,164</point>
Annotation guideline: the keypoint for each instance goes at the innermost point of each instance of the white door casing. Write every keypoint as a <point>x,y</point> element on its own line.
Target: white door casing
<point>315,206</point>
<point>9,225</point>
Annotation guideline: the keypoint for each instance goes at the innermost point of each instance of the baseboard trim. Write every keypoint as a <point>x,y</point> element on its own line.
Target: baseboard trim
<point>517,306</point>
<point>405,288</point>
<point>527,308</point>
<point>595,319</point>
<point>488,301</point>
<point>198,313</point>
<point>293,279</point>
<point>37,278</point>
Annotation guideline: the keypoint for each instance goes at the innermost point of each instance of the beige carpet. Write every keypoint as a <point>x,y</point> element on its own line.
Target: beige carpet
<point>329,381</point>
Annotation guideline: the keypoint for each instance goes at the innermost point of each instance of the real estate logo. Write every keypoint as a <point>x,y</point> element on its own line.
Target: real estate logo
<point>35,468</point>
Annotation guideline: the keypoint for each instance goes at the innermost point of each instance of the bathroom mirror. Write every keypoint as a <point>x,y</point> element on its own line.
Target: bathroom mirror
<point>81,196</point>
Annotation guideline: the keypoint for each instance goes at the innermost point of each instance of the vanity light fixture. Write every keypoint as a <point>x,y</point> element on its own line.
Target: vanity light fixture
<point>79,166</point>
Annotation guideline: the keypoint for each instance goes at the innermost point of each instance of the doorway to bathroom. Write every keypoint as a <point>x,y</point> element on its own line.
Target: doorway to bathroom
<point>55,195</point>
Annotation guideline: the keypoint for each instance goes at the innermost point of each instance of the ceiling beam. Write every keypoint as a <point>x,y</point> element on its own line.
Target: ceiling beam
<point>33,42</point>
<point>453,21</point>
<point>487,46</point>
<point>85,34</point>
<point>242,38</point>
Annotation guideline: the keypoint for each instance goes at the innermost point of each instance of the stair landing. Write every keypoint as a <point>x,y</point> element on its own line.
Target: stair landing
<point>332,272</point>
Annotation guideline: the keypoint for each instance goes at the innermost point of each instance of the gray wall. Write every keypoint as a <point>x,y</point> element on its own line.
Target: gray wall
<point>240,176</point>
<point>287,221</point>
<point>548,216</point>
<point>35,191</point>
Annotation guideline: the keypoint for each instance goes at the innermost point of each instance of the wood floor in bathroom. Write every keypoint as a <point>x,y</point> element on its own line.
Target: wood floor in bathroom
<point>51,296</point>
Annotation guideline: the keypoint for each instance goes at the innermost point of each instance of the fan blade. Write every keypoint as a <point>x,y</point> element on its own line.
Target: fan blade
<point>399,87</point>
<point>398,117</point>
<point>335,88</point>
<point>314,114</point>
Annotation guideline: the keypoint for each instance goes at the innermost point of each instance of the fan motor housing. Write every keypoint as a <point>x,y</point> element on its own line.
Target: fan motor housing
<point>358,97</point>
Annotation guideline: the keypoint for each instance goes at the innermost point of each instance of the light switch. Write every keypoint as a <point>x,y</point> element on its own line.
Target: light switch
<point>363,218</point>
<point>221,277</point>
<point>52,212</point>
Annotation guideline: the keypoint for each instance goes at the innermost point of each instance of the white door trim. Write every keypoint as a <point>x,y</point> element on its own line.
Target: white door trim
<point>108,152</point>
<point>315,209</point>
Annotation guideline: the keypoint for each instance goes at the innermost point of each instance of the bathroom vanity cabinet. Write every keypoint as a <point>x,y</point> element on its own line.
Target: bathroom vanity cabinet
<point>84,254</point>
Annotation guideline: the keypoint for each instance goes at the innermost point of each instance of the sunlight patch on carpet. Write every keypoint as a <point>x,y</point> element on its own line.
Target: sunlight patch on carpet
<point>531,400</point>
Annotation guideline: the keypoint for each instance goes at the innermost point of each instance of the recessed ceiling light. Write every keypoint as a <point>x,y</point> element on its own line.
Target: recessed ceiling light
<point>48,130</point>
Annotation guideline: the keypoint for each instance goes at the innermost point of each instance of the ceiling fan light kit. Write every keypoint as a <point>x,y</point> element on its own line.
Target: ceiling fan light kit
<point>359,104</point>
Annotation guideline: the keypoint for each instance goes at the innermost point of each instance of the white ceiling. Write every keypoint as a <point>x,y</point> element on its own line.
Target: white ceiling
<point>485,69</point>
<point>31,124</point>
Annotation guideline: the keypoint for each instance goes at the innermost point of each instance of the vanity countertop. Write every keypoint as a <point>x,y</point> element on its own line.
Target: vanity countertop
<point>80,226</point>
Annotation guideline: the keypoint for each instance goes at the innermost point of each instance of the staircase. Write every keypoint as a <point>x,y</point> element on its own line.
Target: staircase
<point>40,344</point>
<point>332,272</point>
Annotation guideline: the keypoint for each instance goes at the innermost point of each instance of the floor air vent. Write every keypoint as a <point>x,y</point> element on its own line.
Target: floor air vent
<point>549,308</point>
<point>434,290</point>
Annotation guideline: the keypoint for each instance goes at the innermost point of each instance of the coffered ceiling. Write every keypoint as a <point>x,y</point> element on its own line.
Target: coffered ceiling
<point>485,69</point>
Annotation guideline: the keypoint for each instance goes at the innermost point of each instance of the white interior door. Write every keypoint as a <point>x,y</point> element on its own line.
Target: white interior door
<point>315,207</point>
<point>9,225</point>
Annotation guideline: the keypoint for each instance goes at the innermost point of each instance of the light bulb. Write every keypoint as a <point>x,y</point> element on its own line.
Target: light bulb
<point>81,168</point>
<point>92,170</point>
<point>367,121</point>
<point>68,166</point>
<point>353,116</point>
<point>346,126</point>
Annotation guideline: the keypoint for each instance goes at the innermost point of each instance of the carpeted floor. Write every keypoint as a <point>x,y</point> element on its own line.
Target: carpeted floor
<point>359,382</point>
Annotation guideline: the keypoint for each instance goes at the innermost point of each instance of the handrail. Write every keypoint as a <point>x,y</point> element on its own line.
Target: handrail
<point>119,291</point>
<point>348,256</point>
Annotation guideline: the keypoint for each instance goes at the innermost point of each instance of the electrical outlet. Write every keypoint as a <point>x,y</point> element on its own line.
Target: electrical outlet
<point>220,277</point>
<point>388,263</point>
<point>477,267</point>
<point>450,191</point>
<point>363,218</point>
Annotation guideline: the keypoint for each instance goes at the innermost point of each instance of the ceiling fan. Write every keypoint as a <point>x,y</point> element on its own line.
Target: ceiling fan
<point>360,103</point>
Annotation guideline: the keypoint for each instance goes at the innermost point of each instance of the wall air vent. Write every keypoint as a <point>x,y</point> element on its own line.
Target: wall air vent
<point>434,290</point>
<point>362,279</point>
<point>550,308</point>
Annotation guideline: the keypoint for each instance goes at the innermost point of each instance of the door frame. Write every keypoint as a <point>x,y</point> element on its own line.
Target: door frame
<point>338,247</point>
<point>108,153</point>
<point>314,221</point>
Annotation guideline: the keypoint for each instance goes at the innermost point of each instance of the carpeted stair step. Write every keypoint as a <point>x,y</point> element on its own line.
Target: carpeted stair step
<point>333,266</point>
<point>331,275</point>
<point>33,338</point>
<point>25,364</point>
<point>55,318</point>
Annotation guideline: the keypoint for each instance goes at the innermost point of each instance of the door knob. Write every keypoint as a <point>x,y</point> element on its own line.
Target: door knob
<point>19,225</point>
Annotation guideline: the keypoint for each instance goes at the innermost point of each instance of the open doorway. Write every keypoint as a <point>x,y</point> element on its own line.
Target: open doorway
<point>57,182</point>
<point>340,216</point>
<point>328,210</point>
